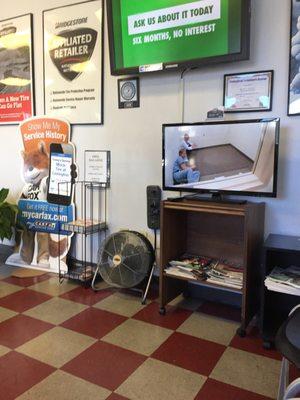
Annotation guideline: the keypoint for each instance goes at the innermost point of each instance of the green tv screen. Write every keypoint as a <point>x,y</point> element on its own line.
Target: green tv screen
<point>152,35</point>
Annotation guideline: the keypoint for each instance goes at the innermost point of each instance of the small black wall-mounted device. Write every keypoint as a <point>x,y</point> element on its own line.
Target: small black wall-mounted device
<point>153,206</point>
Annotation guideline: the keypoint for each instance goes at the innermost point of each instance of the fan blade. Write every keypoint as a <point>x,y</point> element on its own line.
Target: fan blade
<point>115,247</point>
<point>107,252</point>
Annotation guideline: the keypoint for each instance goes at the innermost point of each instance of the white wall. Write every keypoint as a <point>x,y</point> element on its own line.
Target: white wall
<point>134,136</point>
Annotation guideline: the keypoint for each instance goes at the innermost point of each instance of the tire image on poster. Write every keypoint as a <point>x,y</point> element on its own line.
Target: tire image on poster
<point>73,62</point>
<point>16,70</point>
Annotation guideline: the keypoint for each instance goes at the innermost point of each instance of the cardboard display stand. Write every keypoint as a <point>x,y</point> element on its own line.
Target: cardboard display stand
<point>38,244</point>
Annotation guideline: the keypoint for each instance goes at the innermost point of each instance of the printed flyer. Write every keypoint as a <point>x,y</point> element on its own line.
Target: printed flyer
<point>16,81</point>
<point>73,73</point>
<point>42,243</point>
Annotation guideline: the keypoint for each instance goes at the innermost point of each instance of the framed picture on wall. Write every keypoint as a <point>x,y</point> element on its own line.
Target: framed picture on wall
<point>248,91</point>
<point>73,62</point>
<point>129,92</point>
<point>294,65</point>
<point>16,70</point>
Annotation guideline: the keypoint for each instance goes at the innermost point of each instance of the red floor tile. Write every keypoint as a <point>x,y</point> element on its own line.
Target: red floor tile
<point>172,320</point>
<point>19,373</point>
<point>294,373</point>
<point>221,311</point>
<point>214,390</point>
<point>20,329</point>
<point>25,282</point>
<point>86,295</point>
<point>105,365</point>
<point>23,300</point>
<point>115,396</point>
<point>191,353</point>
<point>254,344</point>
<point>94,322</point>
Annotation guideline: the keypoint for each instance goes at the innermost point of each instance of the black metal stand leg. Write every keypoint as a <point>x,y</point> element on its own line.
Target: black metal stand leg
<point>144,298</point>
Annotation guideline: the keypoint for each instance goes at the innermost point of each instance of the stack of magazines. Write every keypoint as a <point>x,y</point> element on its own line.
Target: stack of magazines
<point>190,267</point>
<point>207,269</point>
<point>226,275</point>
<point>284,280</point>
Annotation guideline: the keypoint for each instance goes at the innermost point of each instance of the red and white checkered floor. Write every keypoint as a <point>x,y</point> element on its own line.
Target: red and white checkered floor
<point>65,342</point>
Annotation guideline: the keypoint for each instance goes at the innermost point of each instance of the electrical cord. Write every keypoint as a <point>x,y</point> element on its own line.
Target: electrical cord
<point>182,76</point>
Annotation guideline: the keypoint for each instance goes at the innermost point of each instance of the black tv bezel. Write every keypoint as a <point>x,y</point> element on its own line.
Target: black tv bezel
<point>244,54</point>
<point>225,192</point>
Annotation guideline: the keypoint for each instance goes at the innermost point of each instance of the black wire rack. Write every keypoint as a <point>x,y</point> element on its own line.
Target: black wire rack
<point>89,228</point>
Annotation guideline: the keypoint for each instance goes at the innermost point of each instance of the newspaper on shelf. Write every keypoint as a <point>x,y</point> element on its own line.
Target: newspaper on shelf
<point>207,269</point>
<point>284,280</point>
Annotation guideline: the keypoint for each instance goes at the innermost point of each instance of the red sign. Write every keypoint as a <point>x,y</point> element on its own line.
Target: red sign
<point>15,107</point>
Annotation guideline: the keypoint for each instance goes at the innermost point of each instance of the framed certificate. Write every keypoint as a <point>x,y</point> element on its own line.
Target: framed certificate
<point>97,167</point>
<point>248,91</point>
<point>73,62</point>
<point>16,70</point>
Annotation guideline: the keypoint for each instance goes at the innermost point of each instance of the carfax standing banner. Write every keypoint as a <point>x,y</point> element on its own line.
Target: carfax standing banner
<point>42,242</point>
<point>16,78</point>
<point>73,62</point>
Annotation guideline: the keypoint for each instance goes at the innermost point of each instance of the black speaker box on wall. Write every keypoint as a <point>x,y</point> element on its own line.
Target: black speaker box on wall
<point>153,206</point>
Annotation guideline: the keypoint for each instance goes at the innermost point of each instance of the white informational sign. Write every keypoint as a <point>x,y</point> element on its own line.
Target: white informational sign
<point>73,62</point>
<point>97,167</point>
<point>194,12</point>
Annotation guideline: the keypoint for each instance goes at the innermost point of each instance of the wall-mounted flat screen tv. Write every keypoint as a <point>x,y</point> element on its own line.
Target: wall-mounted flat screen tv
<point>226,157</point>
<point>158,35</point>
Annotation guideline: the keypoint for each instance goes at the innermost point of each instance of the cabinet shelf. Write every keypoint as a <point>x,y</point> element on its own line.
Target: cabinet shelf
<point>204,283</point>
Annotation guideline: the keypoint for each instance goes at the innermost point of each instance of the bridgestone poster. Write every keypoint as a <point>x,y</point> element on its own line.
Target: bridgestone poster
<point>73,62</point>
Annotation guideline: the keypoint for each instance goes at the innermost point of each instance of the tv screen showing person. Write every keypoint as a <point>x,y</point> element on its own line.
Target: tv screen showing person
<point>183,171</point>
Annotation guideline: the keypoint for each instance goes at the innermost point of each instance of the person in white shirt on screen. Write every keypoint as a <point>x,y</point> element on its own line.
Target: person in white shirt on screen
<point>186,144</point>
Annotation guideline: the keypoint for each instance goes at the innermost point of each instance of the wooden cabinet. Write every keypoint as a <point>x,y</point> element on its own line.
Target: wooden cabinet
<point>220,230</point>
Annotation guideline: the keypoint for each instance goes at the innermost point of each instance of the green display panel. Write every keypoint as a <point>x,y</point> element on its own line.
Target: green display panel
<point>173,31</point>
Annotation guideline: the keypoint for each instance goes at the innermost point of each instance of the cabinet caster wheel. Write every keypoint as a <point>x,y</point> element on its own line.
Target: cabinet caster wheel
<point>267,345</point>
<point>241,332</point>
<point>162,311</point>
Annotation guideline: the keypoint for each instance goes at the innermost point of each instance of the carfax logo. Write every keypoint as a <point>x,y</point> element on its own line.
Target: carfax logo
<point>41,224</point>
